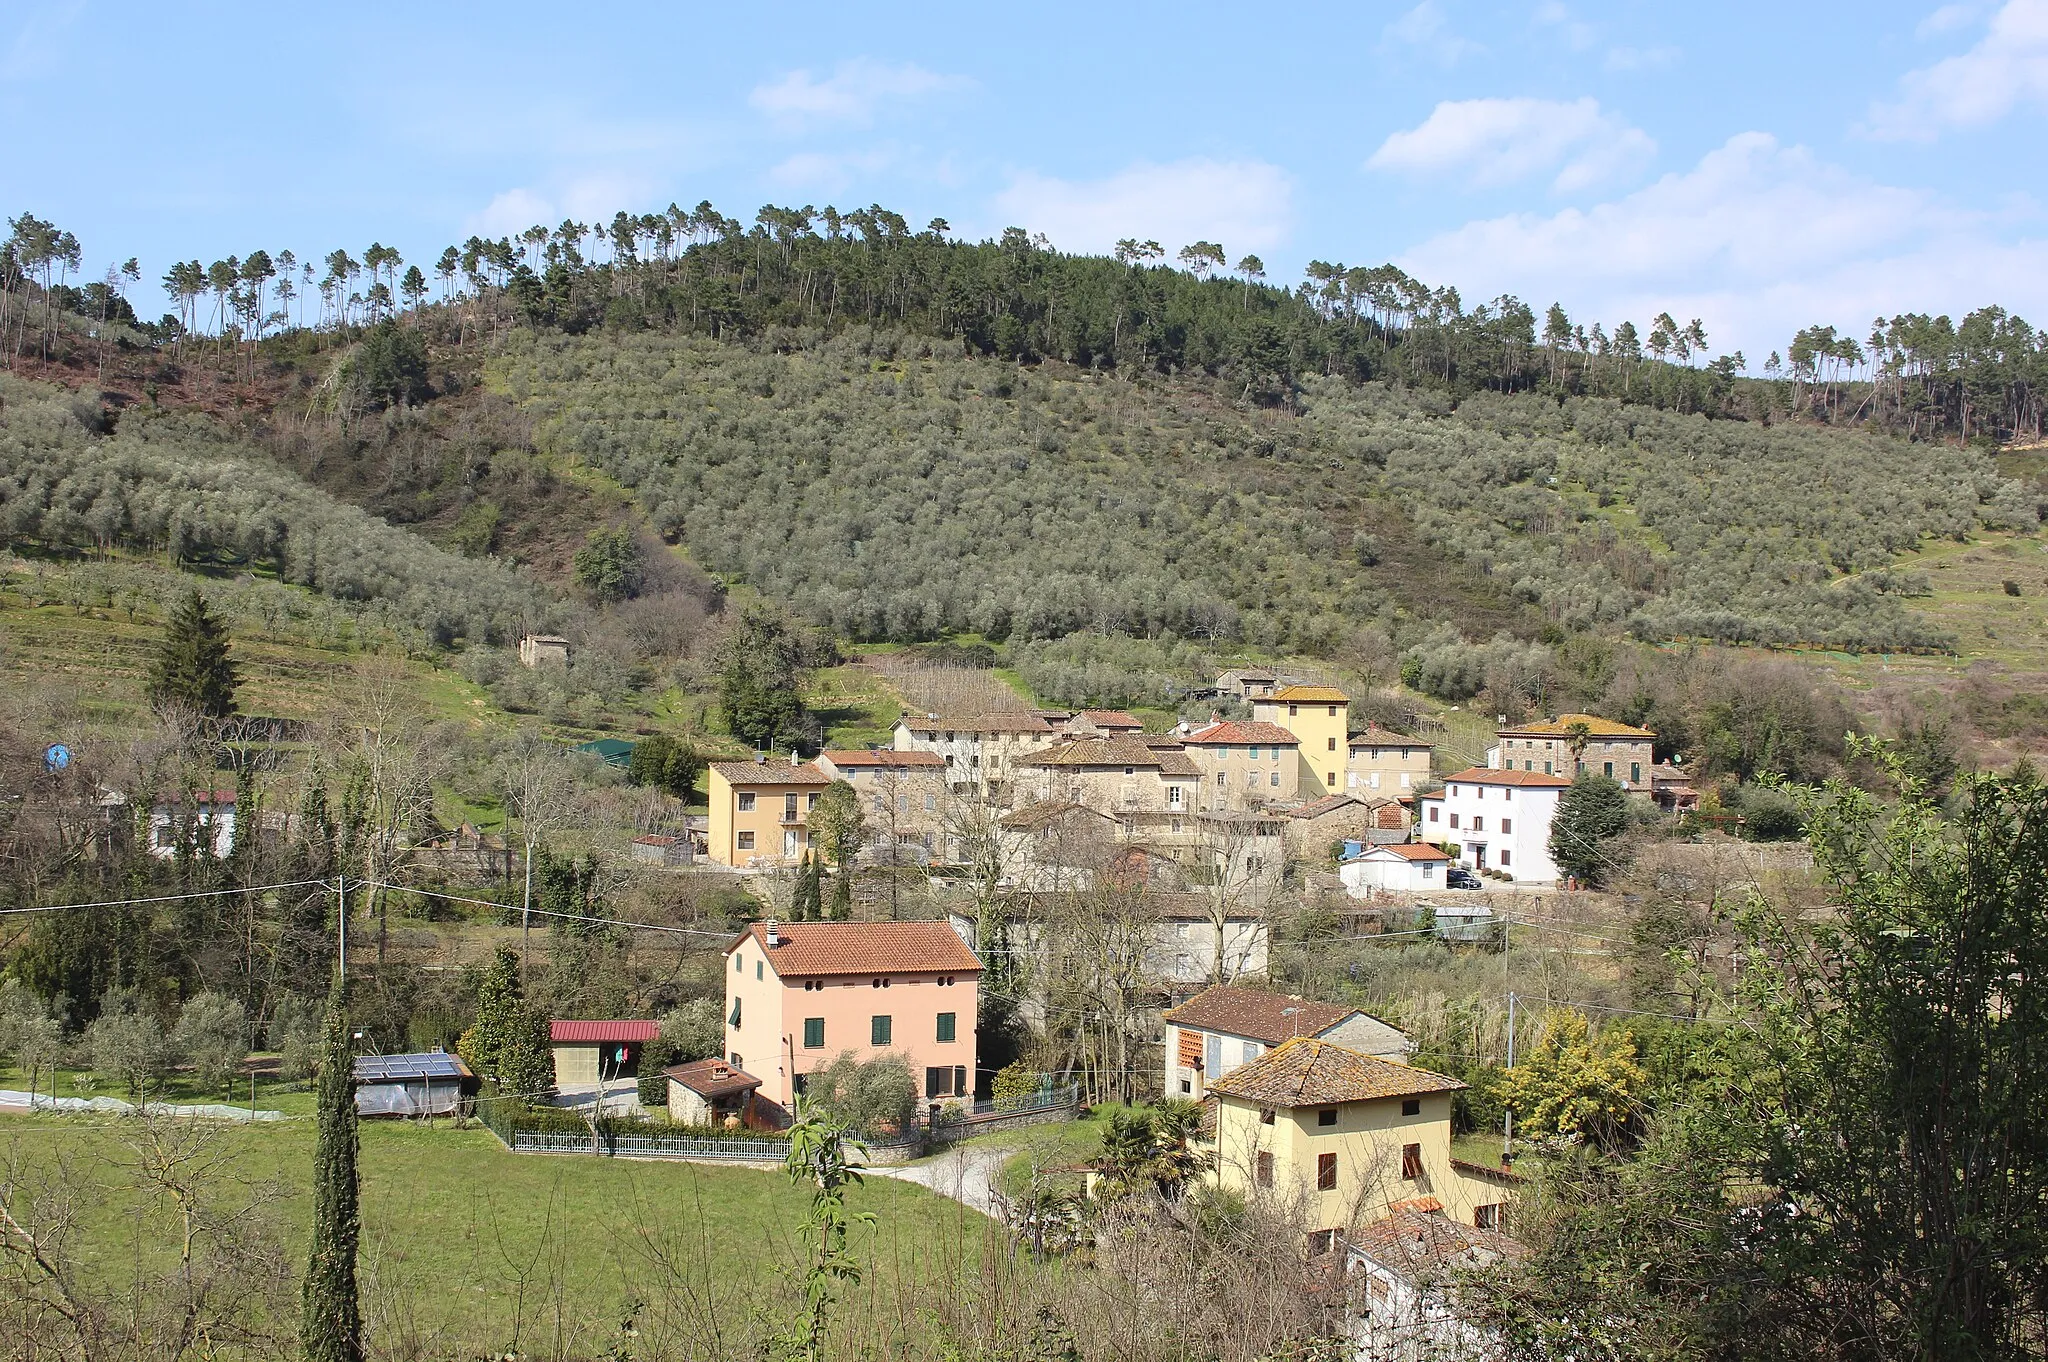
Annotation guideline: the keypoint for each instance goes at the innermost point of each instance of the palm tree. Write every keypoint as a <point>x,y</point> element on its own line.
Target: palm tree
<point>1577,734</point>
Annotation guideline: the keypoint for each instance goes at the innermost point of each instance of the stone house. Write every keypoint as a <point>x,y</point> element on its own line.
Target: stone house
<point>1383,762</point>
<point>1610,749</point>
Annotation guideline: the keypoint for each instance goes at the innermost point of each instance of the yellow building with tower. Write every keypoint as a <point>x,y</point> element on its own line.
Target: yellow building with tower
<point>1320,717</point>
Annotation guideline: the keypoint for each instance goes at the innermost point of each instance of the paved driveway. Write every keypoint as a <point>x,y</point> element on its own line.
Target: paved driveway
<point>966,1173</point>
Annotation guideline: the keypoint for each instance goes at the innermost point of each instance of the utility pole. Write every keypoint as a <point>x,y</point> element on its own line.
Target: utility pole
<point>526,917</point>
<point>341,925</point>
<point>1507,1128</point>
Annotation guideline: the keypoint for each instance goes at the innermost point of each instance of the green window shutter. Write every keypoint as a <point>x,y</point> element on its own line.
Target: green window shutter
<point>733,1018</point>
<point>881,1030</point>
<point>946,1026</point>
<point>814,1033</point>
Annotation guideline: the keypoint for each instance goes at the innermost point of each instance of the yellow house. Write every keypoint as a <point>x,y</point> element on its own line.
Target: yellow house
<point>759,810</point>
<point>1347,1138</point>
<point>1320,717</point>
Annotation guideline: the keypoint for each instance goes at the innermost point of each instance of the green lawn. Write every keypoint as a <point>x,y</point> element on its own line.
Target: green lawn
<point>468,1248</point>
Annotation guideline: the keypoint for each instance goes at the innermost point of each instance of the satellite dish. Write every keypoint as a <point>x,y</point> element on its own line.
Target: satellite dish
<point>57,756</point>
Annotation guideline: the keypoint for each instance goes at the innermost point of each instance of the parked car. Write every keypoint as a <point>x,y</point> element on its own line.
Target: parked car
<point>1457,877</point>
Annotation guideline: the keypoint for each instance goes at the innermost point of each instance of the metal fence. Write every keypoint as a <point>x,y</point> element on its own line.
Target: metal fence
<point>617,1139</point>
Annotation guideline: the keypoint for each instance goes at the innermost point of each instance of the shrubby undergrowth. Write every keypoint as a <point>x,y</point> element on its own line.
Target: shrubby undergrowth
<point>179,485</point>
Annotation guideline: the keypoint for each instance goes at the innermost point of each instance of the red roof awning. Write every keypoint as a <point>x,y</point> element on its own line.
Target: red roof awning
<point>602,1032</point>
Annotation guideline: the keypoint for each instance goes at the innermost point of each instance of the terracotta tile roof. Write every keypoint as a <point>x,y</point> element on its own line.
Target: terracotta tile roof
<point>882,759</point>
<point>1486,775</point>
<point>1306,1072</point>
<point>770,773</point>
<point>1411,851</point>
<point>1118,751</point>
<point>602,1032</point>
<point>1312,695</point>
<point>1257,1015</point>
<point>1561,725</point>
<point>1331,803</point>
<point>1488,1172</point>
<point>1375,736</point>
<point>813,949</point>
<point>712,1078</point>
<point>1111,718</point>
<point>1229,731</point>
<point>1415,1241</point>
<point>1023,722</point>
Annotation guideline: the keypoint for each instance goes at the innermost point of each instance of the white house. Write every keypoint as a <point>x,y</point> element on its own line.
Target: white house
<point>1404,1272</point>
<point>1226,1025</point>
<point>1498,820</point>
<point>204,821</point>
<point>1398,865</point>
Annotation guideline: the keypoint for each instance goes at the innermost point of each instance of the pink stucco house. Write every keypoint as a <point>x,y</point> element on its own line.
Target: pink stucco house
<point>799,994</point>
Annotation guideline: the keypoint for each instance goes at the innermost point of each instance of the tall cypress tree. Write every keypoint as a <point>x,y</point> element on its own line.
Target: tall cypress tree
<point>330,1317</point>
<point>192,667</point>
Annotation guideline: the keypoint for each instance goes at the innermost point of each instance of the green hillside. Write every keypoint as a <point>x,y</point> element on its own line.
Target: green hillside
<point>893,488</point>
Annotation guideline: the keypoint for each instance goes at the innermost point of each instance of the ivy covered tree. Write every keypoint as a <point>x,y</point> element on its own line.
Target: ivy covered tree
<point>761,669</point>
<point>665,764</point>
<point>1590,817</point>
<point>330,1318</point>
<point>192,669</point>
<point>509,1041</point>
<point>610,565</point>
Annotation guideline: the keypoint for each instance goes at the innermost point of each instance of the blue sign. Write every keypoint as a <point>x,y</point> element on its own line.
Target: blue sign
<point>57,757</point>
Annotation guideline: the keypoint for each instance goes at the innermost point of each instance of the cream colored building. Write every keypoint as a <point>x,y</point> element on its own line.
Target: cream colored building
<point>759,810</point>
<point>903,799</point>
<point>979,750</point>
<point>1150,791</point>
<point>1244,766</point>
<point>1345,1137</point>
<point>1385,763</point>
<point>1319,716</point>
<point>1607,748</point>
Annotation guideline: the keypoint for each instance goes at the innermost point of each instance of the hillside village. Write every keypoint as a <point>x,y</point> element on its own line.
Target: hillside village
<point>690,789</point>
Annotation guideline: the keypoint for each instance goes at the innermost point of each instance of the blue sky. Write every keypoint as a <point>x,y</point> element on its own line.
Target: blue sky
<point>1758,166</point>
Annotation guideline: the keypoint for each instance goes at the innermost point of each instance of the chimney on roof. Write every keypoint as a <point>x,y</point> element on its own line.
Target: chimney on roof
<point>760,758</point>
<point>793,761</point>
<point>768,931</point>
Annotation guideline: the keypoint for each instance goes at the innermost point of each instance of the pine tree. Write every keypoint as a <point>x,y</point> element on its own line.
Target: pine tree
<point>807,903</point>
<point>192,667</point>
<point>330,1317</point>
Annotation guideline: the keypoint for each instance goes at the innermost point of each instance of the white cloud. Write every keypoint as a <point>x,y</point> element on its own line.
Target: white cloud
<point>1576,32</point>
<point>590,198</point>
<point>2008,67</point>
<point>1757,240</point>
<point>38,48</point>
<point>828,172</point>
<point>850,95</point>
<point>1947,19</point>
<point>1245,205</point>
<point>1497,141</point>
<point>1426,29</point>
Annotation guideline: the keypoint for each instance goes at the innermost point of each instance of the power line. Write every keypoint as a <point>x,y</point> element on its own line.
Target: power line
<point>173,898</point>
<point>546,912</point>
